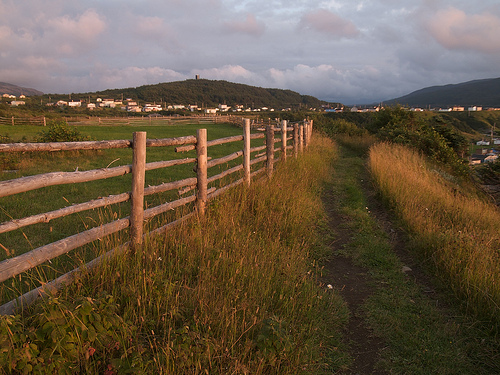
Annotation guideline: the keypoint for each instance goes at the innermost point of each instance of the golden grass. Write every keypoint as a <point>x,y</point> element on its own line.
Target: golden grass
<point>236,291</point>
<point>458,230</point>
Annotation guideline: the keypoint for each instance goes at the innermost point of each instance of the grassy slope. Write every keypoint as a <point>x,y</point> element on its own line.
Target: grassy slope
<point>422,337</point>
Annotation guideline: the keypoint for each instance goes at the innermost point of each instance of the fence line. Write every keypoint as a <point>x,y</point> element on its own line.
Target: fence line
<point>39,120</point>
<point>14,266</point>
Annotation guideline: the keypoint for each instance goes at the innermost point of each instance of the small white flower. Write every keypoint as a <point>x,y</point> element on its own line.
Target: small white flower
<point>159,258</point>
<point>329,286</point>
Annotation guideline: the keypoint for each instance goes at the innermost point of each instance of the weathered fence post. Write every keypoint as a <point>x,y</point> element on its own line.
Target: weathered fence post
<point>301,136</point>
<point>308,131</point>
<point>284,124</point>
<point>137,197</point>
<point>12,120</point>
<point>295,140</point>
<point>201,170</point>
<point>246,151</point>
<point>269,149</point>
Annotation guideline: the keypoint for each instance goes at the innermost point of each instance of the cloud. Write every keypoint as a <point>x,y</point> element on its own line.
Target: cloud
<point>456,30</point>
<point>250,26</point>
<point>234,73</point>
<point>329,23</point>
<point>72,34</point>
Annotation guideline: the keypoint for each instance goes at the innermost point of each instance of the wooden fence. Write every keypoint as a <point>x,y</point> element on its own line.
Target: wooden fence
<point>16,121</point>
<point>301,133</point>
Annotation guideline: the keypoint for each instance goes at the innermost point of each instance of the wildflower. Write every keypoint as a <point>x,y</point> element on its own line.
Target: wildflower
<point>329,286</point>
<point>91,351</point>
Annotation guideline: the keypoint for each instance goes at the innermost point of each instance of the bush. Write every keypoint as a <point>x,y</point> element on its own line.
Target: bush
<point>59,131</point>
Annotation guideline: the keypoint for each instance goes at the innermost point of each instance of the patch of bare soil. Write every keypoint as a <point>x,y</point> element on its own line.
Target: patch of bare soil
<point>352,282</point>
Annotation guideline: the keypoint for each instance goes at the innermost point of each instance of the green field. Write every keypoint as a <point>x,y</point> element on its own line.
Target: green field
<point>56,197</point>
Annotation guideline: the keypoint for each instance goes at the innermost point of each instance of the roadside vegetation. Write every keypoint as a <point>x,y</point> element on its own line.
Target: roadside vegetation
<point>456,230</point>
<point>424,329</point>
<point>236,292</point>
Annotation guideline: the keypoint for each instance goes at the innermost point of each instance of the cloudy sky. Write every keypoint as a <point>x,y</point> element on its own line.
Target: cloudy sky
<point>350,51</point>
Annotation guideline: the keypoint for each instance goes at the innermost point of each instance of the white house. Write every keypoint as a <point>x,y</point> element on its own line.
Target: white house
<point>152,108</point>
<point>75,103</point>
<point>482,143</point>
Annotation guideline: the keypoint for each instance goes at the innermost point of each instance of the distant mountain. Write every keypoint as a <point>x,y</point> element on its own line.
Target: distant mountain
<point>7,88</point>
<point>203,92</point>
<point>484,92</point>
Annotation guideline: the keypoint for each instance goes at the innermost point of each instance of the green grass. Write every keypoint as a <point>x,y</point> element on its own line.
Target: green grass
<point>236,292</point>
<point>421,337</point>
<point>55,197</point>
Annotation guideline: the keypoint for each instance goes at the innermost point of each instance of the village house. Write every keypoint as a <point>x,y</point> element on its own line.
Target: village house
<point>152,108</point>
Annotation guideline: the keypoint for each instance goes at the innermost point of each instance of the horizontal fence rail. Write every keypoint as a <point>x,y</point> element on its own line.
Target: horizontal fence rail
<point>11,267</point>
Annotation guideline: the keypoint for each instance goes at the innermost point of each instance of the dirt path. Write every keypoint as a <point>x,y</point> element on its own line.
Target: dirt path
<point>352,282</point>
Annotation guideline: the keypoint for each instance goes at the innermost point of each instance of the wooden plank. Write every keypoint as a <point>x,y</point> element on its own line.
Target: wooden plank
<point>154,211</point>
<point>283,139</point>
<point>227,172</point>
<point>201,170</point>
<point>137,194</point>
<point>246,151</point>
<point>48,216</point>
<point>14,266</point>
<point>270,150</point>
<point>23,184</point>
<point>222,190</point>
<point>168,163</point>
<point>167,186</point>
<point>259,148</point>
<point>171,141</point>
<point>295,140</point>
<point>225,159</point>
<point>64,146</point>
<point>222,141</point>
<point>258,160</point>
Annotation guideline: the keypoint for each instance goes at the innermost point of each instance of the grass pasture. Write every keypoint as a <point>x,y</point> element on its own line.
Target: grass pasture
<point>55,197</point>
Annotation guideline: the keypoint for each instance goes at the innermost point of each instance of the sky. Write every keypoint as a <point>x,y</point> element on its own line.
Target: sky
<point>348,51</point>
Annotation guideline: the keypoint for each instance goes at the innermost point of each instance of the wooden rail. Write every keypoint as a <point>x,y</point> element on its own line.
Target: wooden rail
<point>135,222</point>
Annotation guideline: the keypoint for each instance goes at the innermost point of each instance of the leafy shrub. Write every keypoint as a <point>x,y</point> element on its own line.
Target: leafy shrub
<point>59,131</point>
<point>66,338</point>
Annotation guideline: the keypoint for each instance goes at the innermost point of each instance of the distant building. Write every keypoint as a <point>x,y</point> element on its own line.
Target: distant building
<point>152,108</point>
<point>15,103</point>
<point>75,104</point>
<point>482,143</point>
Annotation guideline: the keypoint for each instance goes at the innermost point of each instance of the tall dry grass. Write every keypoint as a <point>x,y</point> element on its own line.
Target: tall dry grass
<point>459,231</point>
<point>234,292</point>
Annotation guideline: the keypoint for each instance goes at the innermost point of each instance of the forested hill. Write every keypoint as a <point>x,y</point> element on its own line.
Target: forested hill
<point>484,92</point>
<point>203,92</point>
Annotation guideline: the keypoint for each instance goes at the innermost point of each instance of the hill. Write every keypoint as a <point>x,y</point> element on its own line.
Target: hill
<point>7,88</point>
<point>484,92</point>
<point>203,92</point>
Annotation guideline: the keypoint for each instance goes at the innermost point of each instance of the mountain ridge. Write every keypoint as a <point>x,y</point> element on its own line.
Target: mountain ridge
<point>480,92</point>
<point>10,89</point>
